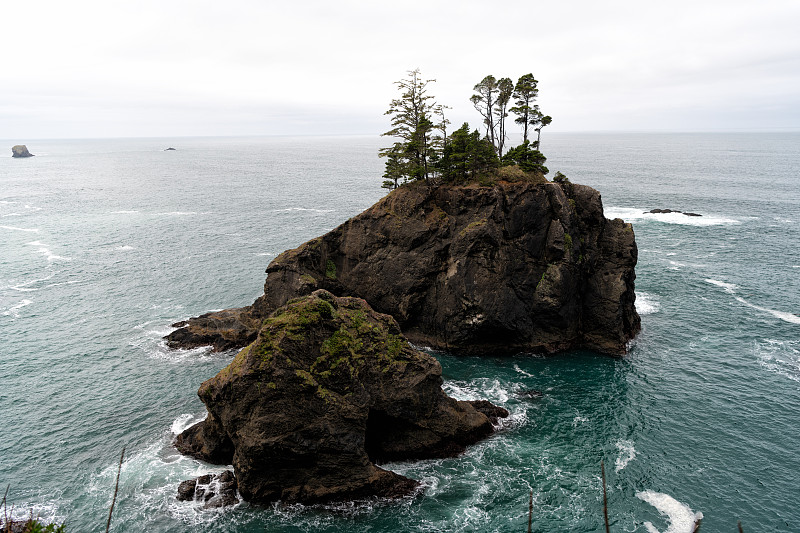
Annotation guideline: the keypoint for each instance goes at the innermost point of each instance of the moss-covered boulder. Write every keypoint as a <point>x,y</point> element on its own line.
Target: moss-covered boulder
<point>327,389</point>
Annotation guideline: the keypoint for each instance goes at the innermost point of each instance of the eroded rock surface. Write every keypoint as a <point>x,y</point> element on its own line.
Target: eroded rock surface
<point>468,269</point>
<point>329,388</point>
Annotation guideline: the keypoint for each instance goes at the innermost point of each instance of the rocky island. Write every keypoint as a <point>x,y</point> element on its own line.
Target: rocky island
<point>20,150</point>
<point>328,388</point>
<point>509,267</point>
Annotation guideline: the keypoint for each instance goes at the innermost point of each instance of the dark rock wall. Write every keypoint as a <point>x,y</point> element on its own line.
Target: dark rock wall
<point>514,267</point>
<point>480,269</point>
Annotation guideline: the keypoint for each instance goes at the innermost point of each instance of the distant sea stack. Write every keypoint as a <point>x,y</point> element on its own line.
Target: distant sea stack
<point>329,388</point>
<point>513,267</point>
<point>20,150</point>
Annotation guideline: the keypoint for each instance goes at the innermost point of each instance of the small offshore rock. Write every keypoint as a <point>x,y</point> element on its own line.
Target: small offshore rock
<point>213,490</point>
<point>660,211</point>
<point>169,149</point>
<point>20,150</point>
<point>530,393</point>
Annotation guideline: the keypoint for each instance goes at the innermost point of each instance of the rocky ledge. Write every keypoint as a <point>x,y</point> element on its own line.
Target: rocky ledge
<point>329,388</point>
<point>20,150</point>
<point>468,269</point>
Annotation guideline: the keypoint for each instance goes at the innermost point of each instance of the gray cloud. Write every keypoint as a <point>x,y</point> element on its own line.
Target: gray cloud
<point>91,68</point>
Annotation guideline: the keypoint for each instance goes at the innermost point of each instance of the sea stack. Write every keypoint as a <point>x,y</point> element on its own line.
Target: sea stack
<point>20,150</point>
<point>470,269</point>
<point>328,389</point>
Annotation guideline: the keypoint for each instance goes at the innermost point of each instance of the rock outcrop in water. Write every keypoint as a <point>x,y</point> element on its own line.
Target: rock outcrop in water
<point>20,150</point>
<point>212,490</point>
<point>328,388</point>
<point>659,211</point>
<point>469,269</point>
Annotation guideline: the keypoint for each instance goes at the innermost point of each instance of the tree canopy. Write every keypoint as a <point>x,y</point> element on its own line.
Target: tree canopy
<point>423,150</point>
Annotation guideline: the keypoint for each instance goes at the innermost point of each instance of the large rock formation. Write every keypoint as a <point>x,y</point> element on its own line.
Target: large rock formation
<point>20,150</point>
<point>469,269</point>
<point>328,388</point>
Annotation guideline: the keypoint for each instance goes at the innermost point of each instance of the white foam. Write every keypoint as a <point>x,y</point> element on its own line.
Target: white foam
<point>179,213</point>
<point>13,228</point>
<point>153,475</point>
<point>13,311</point>
<point>626,454</point>
<point>185,421</point>
<point>46,251</point>
<point>680,516</point>
<point>579,420</point>
<point>304,209</point>
<point>32,208</point>
<point>782,315</point>
<point>124,248</point>
<point>631,214</point>
<point>23,287</point>
<point>12,215</point>
<point>51,256</point>
<point>518,369</point>
<point>781,357</point>
<point>45,511</point>
<point>646,303</point>
<point>729,287</point>
<point>124,212</point>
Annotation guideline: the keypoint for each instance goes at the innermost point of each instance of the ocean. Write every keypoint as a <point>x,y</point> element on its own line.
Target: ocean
<point>105,243</point>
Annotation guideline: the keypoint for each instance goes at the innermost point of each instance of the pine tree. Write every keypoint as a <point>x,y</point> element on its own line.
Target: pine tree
<point>525,93</point>
<point>412,125</point>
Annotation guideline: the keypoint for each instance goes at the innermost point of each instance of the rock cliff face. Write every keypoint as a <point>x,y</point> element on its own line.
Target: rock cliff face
<point>328,388</point>
<point>468,269</point>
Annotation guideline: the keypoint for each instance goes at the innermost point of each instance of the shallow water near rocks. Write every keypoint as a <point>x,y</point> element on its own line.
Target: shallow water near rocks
<point>104,243</point>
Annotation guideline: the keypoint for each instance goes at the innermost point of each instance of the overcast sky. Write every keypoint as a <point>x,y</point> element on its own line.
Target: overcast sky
<point>87,68</point>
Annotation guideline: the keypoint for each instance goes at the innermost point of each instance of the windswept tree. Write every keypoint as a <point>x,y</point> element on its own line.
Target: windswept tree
<point>485,100</point>
<point>505,88</point>
<point>411,126</point>
<point>543,121</point>
<point>525,93</point>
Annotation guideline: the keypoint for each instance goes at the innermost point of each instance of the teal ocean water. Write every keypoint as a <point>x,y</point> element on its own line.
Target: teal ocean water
<point>104,243</point>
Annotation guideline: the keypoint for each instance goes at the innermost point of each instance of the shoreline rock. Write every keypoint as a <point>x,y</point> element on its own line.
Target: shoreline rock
<point>213,490</point>
<point>515,267</point>
<point>20,150</point>
<point>328,389</point>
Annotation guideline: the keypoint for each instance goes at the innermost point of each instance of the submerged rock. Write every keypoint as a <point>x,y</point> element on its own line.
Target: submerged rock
<point>468,269</point>
<point>213,490</point>
<point>20,150</point>
<point>329,388</point>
